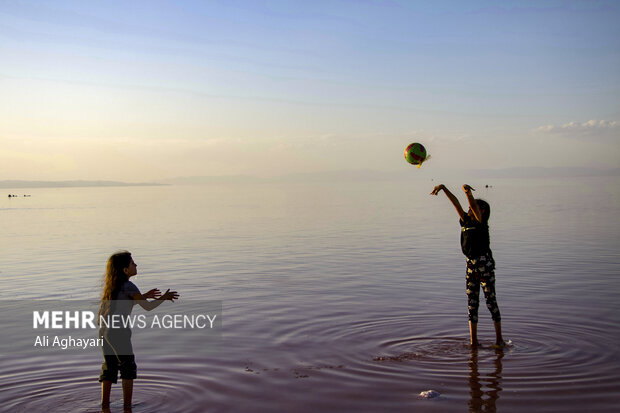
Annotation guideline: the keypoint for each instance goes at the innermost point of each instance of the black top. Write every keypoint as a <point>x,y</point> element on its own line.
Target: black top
<point>474,237</point>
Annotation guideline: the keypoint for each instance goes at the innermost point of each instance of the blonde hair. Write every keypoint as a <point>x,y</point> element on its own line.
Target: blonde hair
<point>113,279</point>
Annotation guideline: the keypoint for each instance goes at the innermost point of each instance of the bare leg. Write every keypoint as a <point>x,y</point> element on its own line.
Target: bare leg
<point>499,340</point>
<point>127,392</point>
<point>473,333</point>
<point>106,388</point>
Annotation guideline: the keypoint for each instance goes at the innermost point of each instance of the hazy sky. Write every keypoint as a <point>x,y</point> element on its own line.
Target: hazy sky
<point>147,90</point>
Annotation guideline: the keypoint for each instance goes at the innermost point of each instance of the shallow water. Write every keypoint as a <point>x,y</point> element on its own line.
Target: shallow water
<point>335,297</point>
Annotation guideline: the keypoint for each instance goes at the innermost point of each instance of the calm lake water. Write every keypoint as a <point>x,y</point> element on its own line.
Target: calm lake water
<point>335,297</point>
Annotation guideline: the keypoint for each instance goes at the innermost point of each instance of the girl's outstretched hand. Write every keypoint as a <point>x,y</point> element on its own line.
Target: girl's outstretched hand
<point>170,295</point>
<point>467,188</point>
<point>438,188</point>
<point>154,293</point>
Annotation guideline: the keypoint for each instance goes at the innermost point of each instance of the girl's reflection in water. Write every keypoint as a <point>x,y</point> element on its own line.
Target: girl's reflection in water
<point>492,382</point>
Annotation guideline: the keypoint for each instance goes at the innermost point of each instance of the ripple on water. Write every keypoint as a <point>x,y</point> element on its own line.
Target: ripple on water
<point>555,363</point>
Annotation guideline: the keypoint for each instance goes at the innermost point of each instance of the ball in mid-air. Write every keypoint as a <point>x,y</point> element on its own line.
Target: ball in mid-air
<point>415,153</point>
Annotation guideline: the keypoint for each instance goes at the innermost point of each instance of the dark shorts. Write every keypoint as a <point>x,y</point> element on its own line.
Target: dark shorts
<point>481,273</point>
<point>113,364</point>
<point>118,355</point>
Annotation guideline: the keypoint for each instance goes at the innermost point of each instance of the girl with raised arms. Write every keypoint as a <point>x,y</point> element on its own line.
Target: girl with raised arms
<point>480,263</point>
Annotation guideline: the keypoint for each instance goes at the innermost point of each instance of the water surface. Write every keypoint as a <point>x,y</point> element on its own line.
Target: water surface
<point>335,297</point>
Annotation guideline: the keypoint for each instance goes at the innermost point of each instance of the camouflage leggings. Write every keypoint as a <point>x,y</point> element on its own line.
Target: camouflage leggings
<point>481,272</point>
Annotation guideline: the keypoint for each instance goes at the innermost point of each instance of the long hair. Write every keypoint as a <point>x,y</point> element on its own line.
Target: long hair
<point>482,204</point>
<point>113,279</point>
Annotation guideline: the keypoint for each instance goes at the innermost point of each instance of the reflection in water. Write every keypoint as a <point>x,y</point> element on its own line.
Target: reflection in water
<point>108,410</point>
<point>477,402</point>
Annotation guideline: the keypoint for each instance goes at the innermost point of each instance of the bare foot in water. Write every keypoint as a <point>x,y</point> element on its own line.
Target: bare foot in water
<point>475,345</point>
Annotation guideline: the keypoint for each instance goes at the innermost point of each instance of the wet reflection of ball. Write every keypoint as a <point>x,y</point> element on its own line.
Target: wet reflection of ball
<point>415,153</point>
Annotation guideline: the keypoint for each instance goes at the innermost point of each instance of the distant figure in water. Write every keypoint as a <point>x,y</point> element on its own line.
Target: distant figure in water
<point>480,263</point>
<point>118,298</point>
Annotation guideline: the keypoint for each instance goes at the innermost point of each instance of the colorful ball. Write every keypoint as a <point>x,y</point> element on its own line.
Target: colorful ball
<point>415,153</point>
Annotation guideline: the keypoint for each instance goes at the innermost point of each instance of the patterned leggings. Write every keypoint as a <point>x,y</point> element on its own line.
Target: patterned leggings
<point>481,272</point>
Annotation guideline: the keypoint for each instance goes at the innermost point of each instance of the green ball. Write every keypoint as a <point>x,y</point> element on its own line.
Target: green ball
<point>415,153</point>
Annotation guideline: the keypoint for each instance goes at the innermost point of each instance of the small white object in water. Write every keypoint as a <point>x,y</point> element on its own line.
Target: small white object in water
<point>429,394</point>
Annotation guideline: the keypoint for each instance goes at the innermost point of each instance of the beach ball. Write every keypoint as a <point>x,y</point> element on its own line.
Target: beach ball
<point>415,154</point>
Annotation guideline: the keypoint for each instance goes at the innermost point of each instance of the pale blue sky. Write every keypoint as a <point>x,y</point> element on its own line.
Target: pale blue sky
<point>146,90</point>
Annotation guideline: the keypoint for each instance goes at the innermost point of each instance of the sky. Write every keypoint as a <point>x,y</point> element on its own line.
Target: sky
<point>149,90</point>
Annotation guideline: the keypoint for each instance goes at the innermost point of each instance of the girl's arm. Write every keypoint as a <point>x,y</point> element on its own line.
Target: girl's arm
<point>472,202</point>
<point>151,305</point>
<point>452,198</point>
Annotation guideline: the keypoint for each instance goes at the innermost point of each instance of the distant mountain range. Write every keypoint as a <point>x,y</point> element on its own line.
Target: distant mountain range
<point>336,176</point>
<point>405,174</point>
<point>67,184</point>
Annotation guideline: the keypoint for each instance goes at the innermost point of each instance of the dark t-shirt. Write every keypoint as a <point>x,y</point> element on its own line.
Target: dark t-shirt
<point>474,237</point>
<point>118,335</point>
<point>124,300</point>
